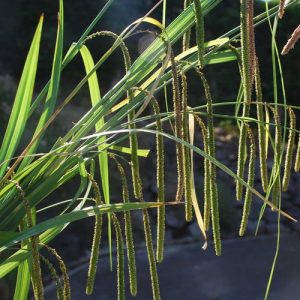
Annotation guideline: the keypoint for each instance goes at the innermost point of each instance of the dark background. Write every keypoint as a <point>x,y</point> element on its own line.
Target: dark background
<point>18,20</point>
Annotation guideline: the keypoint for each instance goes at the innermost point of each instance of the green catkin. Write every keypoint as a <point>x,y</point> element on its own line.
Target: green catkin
<point>214,205</point>
<point>186,153</point>
<point>207,189</point>
<point>133,140</point>
<point>178,128</point>
<point>63,269</point>
<point>151,256</point>
<point>297,159</point>
<point>261,130</point>
<point>120,258</point>
<point>185,129</point>
<point>250,182</point>
<point>160,179</point>
<point>199,20</point>
<point>96,241</point>
<point>289,150</point>
<point>251,36</point>
<point>54,277</point>
<point>246,74</point>
<point>128,230</point>
<point>36,276</point>
<point>276,191</point>
<point>187,36</point>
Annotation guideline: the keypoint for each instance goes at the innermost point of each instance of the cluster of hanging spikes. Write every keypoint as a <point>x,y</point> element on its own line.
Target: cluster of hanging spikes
<point>160,178</point>
<point>247,51</point>
<point>133,141</point>
<point>128,229</point>
<point>128,232</point>
<point>278,182</point>
<point>211,185</point>
<point>37,280</point>
<point>63,290</point>
<point>137,188</point>
<point>250,74</point>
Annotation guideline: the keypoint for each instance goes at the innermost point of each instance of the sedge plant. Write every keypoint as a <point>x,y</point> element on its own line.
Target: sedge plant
<point>96,142</point>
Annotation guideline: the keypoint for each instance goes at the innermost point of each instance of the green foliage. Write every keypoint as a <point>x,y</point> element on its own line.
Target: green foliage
<point>28,177</point>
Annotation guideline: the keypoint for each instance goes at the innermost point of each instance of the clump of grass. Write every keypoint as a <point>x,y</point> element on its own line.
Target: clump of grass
<point>40,174</point>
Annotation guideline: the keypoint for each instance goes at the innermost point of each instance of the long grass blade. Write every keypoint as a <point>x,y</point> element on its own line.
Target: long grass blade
<point>20,110</point>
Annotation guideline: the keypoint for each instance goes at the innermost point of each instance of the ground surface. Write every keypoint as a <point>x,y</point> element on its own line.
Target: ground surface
<point>191,273</point>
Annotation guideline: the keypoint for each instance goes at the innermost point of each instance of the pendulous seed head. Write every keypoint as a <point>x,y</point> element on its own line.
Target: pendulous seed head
<point>289,150</point>
<point>250,182</point>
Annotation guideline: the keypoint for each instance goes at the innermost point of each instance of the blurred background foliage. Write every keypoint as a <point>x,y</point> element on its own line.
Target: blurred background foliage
<point>20,16</point>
